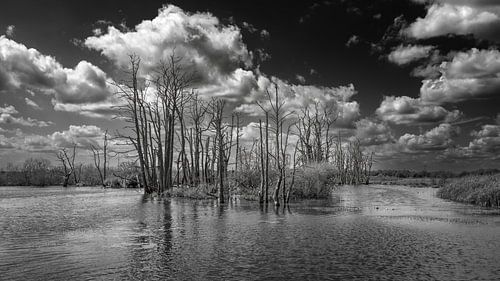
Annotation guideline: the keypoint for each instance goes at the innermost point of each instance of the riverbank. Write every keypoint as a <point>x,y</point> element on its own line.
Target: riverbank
<point>411,182</point>
<point>478,190</point>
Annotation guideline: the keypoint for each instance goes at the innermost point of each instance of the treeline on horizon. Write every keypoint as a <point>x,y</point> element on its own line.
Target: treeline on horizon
<point>405,173</point>
<point>40,172</point>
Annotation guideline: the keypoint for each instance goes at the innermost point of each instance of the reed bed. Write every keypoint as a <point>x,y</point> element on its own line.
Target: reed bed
<point>478,190</point>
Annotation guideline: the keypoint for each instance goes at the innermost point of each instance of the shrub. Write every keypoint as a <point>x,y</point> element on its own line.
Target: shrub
<point>479,190</point>
<point>313,181</point>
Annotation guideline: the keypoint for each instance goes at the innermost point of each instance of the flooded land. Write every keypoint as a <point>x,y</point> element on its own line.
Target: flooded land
<point>365,232</point>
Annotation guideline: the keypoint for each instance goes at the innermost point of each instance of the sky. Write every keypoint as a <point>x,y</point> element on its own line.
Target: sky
<point>416,81</point>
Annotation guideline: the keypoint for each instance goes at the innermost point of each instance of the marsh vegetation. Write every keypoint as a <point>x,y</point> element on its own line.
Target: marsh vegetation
<point>483,190</point>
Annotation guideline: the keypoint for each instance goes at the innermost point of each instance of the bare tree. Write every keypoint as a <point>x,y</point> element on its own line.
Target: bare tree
<point>68,164</point>
<point>132,93</point>
<point>217,110</point>
<point>96,152</point>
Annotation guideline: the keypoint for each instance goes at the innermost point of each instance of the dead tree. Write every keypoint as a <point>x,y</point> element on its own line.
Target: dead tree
<point>96,153</point>
<point>67,162</point>
<point>217,111</point>
<point>132,112</point>
<point>262,165</point>
<point>172,81</point>
<point>278,116</point>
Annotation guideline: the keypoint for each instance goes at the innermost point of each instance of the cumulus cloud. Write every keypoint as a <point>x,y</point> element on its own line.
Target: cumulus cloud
<point>298,97</point>
<point>372,132</point>
<point>28,69</point>
<point>469,75</point>
<point>250,132</point>
<point>457,18</point>
<point>486,140</point>
<point>6,117</point>
<point>402,55</point>
<point>82,136</point>
<point>438,138</point>
<point>485,144</point>
<point>413,111</point>
<point>213,51</point>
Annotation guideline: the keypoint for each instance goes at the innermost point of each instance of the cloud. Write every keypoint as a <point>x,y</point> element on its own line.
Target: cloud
<point>486,140</point>
<point>402,55</point>
<point>301,79</point>
<point>27,69</point>
<point>31,103</point>
<point>353,40</point>
<point>7,118</point>
<point>298,97</point>
<point>457,18</point>
<point>485,144</point>
<point>82,136</point>
<point>6,143</point>
<point>264,34</point>
<point>9,31</point>
<point>214,52</point>
<point>249,27</point>
<point>8,109</point>
<point>262,55</point>
<point>411,111</point>
<point>469,75</point>
<point>250,132</point>
<point>207,47</point>
<point>372,132</point>
<point>438,138</point>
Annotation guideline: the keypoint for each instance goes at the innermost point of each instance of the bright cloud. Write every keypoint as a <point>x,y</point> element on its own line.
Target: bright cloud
<point>411,111</point>
<point>438,138</point>
<point>213,51</point>
<point>402,55</point>
<point>299,97</point>
<point>455,18</point>
<point>28,69</point>
<point>372,132</point>
<point>469,75</point>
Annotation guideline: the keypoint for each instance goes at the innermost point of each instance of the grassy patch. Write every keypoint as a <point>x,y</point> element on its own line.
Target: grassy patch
<point>479,190</point>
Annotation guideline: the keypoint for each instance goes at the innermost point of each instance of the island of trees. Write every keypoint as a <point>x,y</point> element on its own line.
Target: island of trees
<point>182,142</point>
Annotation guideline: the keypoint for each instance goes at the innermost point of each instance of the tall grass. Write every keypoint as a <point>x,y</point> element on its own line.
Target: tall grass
<point>479,190</point>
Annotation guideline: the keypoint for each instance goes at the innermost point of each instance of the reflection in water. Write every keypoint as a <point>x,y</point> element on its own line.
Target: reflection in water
<point>383,232</point>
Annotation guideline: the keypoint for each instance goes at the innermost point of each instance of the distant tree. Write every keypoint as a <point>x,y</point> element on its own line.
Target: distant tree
<point>36,171</point>
<point>97,151</point>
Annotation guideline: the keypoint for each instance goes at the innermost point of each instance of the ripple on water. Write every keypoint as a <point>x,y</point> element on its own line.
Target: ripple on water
<point>384,233</point>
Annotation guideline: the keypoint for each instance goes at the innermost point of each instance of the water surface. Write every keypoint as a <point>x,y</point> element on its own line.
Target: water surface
<point>374,232</point>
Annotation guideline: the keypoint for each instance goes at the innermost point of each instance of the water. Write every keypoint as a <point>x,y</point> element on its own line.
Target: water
<point>376,232</point>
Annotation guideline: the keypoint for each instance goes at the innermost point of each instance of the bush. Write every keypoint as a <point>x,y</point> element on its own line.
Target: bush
<point>479,190</point>
<point>313,181</point>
